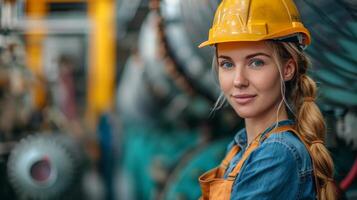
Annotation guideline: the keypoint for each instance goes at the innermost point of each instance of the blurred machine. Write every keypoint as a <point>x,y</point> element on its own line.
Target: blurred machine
<point>57,61</point>
<point>44,167</point>
<point>68,67</point>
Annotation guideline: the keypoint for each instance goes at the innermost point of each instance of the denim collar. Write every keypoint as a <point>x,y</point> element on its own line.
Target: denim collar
<point>241,137</point>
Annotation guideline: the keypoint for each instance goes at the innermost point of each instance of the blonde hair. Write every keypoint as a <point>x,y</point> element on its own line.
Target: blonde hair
<point>221,100</point>
<point>299,96</point>
<point>301,93</point>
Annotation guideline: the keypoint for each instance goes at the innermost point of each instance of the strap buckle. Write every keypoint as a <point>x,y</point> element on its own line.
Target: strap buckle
<point>231,177</point>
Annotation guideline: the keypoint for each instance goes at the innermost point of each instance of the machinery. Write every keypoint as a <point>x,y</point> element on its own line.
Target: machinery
<point>67,66</point>
<point>57,78</point>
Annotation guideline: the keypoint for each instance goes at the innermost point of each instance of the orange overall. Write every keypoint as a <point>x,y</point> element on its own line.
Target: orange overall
<point>213,184</point>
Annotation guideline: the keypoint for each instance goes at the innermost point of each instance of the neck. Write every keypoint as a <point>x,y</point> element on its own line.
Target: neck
<point>255,126</point>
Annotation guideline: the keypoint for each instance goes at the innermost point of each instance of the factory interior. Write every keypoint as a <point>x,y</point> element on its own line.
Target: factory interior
<point>112,99</point>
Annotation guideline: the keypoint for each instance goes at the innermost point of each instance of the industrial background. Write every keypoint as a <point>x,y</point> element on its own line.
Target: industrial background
<point>111,99</point>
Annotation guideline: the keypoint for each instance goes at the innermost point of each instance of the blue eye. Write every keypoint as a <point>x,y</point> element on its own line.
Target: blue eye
<point>226,64</point>
<point>256,63</point>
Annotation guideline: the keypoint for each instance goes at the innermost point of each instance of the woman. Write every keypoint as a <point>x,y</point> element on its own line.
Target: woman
<point>261,69</point>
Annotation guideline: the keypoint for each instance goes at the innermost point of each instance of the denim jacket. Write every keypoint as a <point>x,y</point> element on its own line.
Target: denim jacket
<point>280,168</point>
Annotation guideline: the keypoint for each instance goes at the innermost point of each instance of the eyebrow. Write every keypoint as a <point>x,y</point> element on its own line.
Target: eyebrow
<point>248,56</point>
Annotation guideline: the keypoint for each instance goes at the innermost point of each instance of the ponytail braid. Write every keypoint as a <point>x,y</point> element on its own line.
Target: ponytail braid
<point>301,92</point>
<point>310,124</point>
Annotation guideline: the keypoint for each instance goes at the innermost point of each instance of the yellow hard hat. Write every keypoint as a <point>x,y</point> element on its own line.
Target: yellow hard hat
<point>248,20</point>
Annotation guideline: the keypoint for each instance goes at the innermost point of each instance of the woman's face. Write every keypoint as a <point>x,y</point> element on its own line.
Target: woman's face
<point>249,78</point>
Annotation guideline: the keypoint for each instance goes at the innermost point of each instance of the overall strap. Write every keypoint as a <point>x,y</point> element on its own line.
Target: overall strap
<point>234,150</point>
<point>254,145</point>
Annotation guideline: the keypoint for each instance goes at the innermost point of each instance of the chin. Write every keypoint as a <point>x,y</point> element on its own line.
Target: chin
<point>250,110</point>
<point>245,113</point>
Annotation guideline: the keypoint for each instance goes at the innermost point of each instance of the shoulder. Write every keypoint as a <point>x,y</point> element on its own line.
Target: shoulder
<point>274,167</point>
<point>289,145</point>
<point>278,167</point>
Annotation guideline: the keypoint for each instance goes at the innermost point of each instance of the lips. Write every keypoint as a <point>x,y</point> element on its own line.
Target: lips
<point>243,98</point>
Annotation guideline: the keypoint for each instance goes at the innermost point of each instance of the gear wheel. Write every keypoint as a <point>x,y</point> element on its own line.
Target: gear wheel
<point>41,167</point>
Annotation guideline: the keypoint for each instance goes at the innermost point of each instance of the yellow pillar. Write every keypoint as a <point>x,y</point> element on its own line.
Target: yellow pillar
<point>36,10</point>
<point>101,73</point>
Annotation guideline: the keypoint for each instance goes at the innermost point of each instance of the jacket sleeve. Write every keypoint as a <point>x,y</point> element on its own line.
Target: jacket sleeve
<point>270,172</point>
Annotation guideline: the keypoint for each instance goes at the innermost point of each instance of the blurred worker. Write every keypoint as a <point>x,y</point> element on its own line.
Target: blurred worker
<point>262,72</point>
<point>67,87</point>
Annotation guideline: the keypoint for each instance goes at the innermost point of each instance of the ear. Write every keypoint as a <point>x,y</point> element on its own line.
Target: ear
<point>289,70</point>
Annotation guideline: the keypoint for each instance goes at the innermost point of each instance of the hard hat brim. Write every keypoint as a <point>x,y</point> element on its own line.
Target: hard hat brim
<point>252,37</point>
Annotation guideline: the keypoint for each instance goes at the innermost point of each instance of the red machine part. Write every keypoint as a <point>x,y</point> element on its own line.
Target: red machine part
<point>351,176</point>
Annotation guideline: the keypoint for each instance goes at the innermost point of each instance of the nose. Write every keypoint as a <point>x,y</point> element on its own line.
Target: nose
<point>240,78</point>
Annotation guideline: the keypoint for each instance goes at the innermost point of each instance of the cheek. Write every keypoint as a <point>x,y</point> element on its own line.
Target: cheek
<point>225,81</point>
<point>267,83</point>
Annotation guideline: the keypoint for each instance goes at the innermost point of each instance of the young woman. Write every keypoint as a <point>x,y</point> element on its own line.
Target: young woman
<point>262,72</point>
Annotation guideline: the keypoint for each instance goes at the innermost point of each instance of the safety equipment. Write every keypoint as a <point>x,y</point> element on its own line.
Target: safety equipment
<point>248,20</point>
